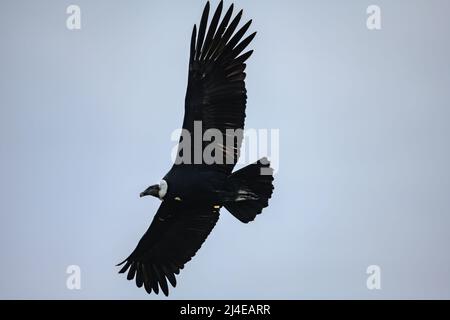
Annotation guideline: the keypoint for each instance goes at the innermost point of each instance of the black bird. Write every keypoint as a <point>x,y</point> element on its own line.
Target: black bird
<point>193,193</point>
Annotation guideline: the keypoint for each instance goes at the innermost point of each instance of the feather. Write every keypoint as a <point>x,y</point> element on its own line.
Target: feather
<point>139,276</point>
<point>227,35</point>
<point>220,31</point>
<point>169,276</point>
<point>202,30</point>
<point>240,60</point>
<point>154,279</point>
<point>147,285</point>
<point>234,41</point>
<point>212,30</point>
<point>241,46</point>
<point>125,267</point>
<point>132,271</point>
<point>194,35</point>
<point>162,281</point>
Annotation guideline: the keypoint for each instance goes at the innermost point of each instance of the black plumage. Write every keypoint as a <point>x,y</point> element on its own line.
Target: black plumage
<point>193,194</point>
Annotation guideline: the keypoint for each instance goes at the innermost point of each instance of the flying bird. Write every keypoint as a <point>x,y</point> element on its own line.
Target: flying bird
<point>193,192</point>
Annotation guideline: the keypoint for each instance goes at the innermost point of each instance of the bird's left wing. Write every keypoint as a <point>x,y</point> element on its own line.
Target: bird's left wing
<point>216,95</point>
<point>173,238</point>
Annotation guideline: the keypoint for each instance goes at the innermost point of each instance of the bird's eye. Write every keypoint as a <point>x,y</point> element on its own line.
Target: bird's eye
<point>177,198</point>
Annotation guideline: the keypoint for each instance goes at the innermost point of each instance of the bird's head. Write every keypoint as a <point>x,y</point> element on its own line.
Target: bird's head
<point>157,190</point>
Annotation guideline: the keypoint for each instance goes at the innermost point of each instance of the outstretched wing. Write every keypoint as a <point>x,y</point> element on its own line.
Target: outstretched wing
<point>216,93</point>
<point>173,238</point>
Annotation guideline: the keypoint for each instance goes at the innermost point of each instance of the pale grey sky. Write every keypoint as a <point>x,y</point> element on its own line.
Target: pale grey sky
<point>85,124</point>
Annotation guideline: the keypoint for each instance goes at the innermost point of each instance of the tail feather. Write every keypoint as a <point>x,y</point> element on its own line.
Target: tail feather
<point>252,187</point>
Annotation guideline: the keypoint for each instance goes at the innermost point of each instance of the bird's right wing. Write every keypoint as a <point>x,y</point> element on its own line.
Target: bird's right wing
<point>173,238</point>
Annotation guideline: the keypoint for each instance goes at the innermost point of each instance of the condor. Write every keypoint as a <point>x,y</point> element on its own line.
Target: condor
<point>193,193</point>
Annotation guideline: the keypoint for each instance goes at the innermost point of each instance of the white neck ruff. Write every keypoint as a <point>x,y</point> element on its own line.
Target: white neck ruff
<point>162,189</point>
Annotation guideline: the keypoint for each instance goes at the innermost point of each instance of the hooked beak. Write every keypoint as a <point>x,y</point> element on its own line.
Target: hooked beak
<point>151,191</point>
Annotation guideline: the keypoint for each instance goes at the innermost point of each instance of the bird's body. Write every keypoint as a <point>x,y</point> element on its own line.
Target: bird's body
<point>197,184</point>
<point>195,189</point>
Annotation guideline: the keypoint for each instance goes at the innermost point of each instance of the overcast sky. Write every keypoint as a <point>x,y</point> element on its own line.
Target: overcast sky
<point>85,123</point>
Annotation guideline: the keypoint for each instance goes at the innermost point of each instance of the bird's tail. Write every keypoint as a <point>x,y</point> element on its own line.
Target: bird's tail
<point>252,188</point>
